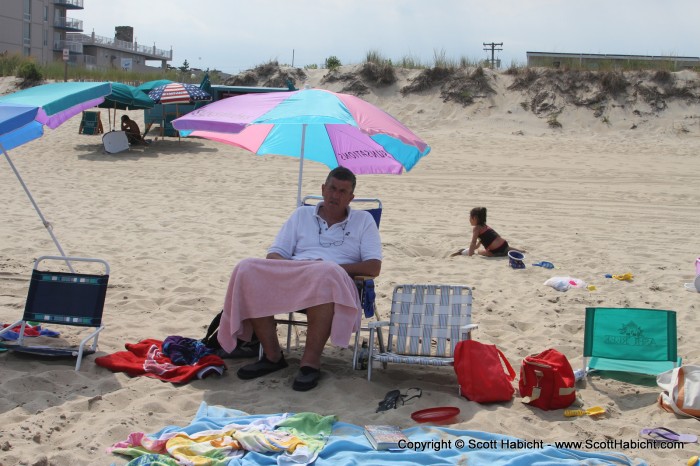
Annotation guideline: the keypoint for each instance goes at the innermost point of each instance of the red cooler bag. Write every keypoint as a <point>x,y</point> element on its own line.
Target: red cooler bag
<point>481,375</point>
<point>547,380</point>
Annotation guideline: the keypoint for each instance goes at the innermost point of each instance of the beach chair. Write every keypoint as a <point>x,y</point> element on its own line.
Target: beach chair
<point>63,298</point>
<point>425,324</point>
<point>91,123</point>
<point>643,341</point>
<point>365,285</point>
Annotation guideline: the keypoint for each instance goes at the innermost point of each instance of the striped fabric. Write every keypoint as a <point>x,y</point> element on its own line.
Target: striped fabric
<point>426,324</point>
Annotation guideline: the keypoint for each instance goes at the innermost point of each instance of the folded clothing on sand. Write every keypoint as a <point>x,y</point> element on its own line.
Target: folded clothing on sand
<point>146,358</point>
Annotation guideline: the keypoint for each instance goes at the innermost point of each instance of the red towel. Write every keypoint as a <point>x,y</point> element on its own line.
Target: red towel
<point>265,287</point>
<point>146,358</point>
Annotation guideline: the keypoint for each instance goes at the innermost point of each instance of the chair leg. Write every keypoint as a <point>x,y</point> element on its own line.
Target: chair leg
<point>289,332</point>
<point>371,354</point>
<point>354,350</point>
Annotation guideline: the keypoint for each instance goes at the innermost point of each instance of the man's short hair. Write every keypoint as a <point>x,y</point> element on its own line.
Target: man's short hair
<point>342,174</point>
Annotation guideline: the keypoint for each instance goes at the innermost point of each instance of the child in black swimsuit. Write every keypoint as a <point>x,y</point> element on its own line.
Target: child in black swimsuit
<point>493,244</point>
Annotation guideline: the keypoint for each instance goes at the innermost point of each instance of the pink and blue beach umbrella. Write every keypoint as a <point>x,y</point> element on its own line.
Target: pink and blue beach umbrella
<point>24,114</point>
<point>331,128</point>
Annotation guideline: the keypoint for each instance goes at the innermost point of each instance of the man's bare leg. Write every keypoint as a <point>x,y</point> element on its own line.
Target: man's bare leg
<point>266,331</point>
<point>320,319</point>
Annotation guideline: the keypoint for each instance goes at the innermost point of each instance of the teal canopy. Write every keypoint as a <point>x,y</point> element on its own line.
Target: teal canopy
<point>125,97</point>
<point>150,85</point>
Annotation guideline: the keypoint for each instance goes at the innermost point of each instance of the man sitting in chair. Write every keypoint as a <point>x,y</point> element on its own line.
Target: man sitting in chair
<point>309,266</point>
<point>133,133</point>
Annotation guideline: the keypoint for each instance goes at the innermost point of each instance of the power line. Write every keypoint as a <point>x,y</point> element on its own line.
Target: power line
<point>492,46</point>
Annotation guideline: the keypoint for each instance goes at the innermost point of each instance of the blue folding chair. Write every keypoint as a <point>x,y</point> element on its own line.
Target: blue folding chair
<point>63,298</point>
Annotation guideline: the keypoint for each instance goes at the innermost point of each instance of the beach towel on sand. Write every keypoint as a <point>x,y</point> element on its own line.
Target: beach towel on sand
<point>347,444</point>
<point>265,287</point>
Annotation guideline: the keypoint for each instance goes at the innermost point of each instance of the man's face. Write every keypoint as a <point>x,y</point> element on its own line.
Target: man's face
<point>337,194</point>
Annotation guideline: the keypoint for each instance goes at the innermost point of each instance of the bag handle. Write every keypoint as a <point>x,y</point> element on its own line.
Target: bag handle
<point>511,372</point>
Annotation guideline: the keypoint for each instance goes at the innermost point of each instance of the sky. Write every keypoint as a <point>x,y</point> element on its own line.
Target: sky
<point>233,36</point>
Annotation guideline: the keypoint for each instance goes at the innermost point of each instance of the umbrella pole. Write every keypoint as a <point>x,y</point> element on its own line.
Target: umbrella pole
<point>47,225</point>
<point>301,163</point>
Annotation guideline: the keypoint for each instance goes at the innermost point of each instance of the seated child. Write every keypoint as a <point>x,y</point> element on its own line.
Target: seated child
<point>482,234</point>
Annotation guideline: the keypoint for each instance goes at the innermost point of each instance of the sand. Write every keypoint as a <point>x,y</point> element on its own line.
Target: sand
<point>174,218</point>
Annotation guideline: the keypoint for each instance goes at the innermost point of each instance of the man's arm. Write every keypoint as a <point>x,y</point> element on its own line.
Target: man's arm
<point>369,268</point>
<point>274,255</point>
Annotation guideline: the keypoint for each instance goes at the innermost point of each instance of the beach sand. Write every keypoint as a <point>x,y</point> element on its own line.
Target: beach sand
<point>173,219</point>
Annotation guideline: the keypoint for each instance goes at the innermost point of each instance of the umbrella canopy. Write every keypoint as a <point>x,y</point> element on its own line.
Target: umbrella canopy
<point>149,85</point>
<point>18,124</point>
<point>178,93</point>
<point>58,102</point>
<point>332,128</point>
<point>125,97</point>
<point>24,113</point>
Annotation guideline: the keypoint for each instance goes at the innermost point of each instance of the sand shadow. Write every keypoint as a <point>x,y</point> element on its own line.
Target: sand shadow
<point>95,152</point>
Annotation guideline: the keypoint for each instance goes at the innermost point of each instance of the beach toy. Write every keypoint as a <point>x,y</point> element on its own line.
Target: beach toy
<point>693,461</point>
<point>625,276</point>
<point>544,264</point>
<point>515,259</point>
<point>591,288</point>
<point>439,415</point>
<point>594,411</point>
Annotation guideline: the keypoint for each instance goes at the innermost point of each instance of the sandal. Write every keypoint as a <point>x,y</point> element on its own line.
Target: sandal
<point>662,434</point>
<point>260,368</point>
<point>306,379</point>
<point>389,401</point>
<point>392,397</point>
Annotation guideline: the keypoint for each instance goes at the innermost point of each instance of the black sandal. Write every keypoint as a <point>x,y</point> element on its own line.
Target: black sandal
<point>392,398</point>
<point>260,368</point>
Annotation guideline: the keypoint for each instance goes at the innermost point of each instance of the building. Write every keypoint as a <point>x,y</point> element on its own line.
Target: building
<point>593,61</point>
<point>43,30</point>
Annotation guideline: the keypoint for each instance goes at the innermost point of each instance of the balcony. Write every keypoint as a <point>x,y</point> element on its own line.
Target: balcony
<point>68,24</point>
<point>149,53</point>
<point>69,4</point>
<point>74,47</point>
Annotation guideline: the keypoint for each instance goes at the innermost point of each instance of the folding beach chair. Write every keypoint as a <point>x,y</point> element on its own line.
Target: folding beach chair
<point>91,123</point>
<point>425,324</point>
<point>63,298</point>
<point>630,340</point>
<point>365,285</point>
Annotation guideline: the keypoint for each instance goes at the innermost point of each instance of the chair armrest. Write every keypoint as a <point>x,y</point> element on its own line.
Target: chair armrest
<point>381,323</point>
<point>466,330</point>
<point>362,278</point>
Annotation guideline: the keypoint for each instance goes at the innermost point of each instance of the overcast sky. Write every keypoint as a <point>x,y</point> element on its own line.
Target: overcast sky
<point>232,35</point>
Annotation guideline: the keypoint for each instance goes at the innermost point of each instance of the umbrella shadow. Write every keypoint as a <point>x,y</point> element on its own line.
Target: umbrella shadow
<point>96,152</point>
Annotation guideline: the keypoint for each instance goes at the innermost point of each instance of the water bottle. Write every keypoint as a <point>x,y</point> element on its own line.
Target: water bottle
<point>697,266</point>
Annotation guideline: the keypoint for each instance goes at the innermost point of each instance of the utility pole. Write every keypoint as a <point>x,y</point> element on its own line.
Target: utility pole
<point>492,46</point>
